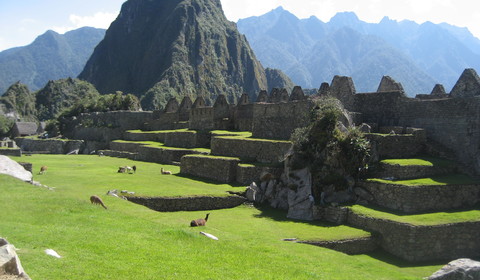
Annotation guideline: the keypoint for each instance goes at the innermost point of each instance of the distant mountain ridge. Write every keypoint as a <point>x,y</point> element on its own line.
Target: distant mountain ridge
<point>50,57</point>
<point>172,48</point>
<point>311,51</point>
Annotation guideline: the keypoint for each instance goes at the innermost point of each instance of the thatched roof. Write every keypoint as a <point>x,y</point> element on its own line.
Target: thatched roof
<point>26,128</point>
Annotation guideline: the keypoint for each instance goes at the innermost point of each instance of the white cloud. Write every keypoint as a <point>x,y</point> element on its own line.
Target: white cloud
<point>98,20</point>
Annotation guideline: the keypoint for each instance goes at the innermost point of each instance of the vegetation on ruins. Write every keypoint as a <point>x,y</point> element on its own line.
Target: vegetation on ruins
<point>130,241</point>
<point>333,154</point>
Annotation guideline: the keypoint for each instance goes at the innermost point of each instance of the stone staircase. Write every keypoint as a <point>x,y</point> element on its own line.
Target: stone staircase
<point>406,202</point>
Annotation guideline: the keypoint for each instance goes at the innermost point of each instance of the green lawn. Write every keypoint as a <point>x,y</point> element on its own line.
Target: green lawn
<point>429,219</point>
<point>422,161</point>
<point>129,241</point>
<point>451,179</point>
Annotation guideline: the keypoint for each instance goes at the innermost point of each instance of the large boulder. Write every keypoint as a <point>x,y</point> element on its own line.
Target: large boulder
<point>14,169</point>
<point>300,199</point>
<point>458,270</point>
<point>9,261</point>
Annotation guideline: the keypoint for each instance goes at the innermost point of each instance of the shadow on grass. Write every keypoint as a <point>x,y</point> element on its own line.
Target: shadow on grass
<point>383,256</point>
<point>207,181</point>
<point>281,216</point>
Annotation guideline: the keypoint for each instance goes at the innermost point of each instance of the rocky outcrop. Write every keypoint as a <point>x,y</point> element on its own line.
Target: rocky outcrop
<point>458,270</point>
<point>10,263</point>
<point>160,48</point>
<point>14,169</point>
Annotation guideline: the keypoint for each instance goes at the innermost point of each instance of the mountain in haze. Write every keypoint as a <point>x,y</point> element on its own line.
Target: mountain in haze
<point>164,48</point>
<point>311,51</point>
<point>50,57</point>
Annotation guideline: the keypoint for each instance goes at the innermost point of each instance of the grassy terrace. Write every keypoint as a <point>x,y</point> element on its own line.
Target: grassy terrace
<point>161,146</point>
<point>420,161</point>
<point>213,157</point>
<point>429,219</point>
<point>129,241</point>
<point>158,131</point>
<point>213,132</point>
<point>443,180</point>
<point>254,139</point>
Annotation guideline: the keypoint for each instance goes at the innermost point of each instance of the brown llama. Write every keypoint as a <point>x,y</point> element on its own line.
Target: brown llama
<point>97,200</point>
<point>199,222</point>
<point>166,172</point>
<point>134,168</point>
<point>43,170</point>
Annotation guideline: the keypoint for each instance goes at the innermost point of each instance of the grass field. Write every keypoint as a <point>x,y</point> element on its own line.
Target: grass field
<point>129,241</point>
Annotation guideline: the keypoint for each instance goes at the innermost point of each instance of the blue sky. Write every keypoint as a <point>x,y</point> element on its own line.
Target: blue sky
<point>21,21</point>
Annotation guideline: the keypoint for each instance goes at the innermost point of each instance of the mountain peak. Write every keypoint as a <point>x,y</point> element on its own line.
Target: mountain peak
<point>174,48</point>
<point>344,18</point>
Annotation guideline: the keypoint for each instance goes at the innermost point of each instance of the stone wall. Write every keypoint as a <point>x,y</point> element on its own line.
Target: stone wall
<point>52,146</point>
<point>200,203</point>
<point>395,146</point>
<point>248,173</point>
<point>452,122</point>
<point>152,154</point>
<point>278,121</point>
<point>221,169</point>
<point>422,243</point>
<point>202,118</point>
<point>181,139</point>
<point>415,199</point>
<point>348,246</point>
<point>243,116</point>
<point>253,150</point>
<point>105,126</point>
<point>11,152</point>
<point>145,136</point>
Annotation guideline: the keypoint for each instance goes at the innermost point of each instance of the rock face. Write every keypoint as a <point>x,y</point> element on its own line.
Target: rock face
<point>458,270</point>
<point>12,168</point>
<point>167,48</point>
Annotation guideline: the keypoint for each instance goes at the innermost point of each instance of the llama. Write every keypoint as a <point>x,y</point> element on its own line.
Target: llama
<point>43,170</point>
<point>199,222</point>
<point>125,169</point>
<point>134,168</point>
<point>166,172</point>
<point>97,200</point>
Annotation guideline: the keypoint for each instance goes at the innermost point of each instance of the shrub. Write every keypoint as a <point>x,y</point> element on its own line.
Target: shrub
<point>333,155</point>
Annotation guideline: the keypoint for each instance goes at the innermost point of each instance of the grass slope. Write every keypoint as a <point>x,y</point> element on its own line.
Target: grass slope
<point>129,241</point>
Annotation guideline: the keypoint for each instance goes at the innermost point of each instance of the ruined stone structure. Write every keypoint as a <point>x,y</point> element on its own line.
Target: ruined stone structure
<point>446,125</point>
